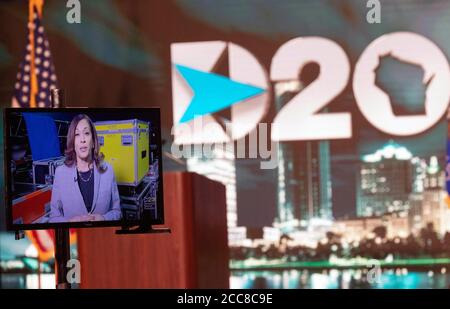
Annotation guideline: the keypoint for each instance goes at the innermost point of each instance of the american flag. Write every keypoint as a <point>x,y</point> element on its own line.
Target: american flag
<point>36,76</point>
<point>35,79</point>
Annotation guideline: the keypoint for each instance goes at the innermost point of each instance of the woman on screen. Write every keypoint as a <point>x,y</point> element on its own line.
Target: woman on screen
<point>84,188</point>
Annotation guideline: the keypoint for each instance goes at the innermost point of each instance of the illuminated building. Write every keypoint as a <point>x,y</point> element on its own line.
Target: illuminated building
<point>419,174</point>
<point>385,181</point>
<point>354,229</point>
<point>397,224</point>
<point>304,184</point>
<point>430,206</point>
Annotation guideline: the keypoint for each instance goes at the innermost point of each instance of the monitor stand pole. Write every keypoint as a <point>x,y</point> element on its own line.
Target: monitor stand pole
<point>62,256</point>
<point>62,239</point>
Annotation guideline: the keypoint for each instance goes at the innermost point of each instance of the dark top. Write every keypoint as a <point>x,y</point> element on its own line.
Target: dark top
<point>86,184</point>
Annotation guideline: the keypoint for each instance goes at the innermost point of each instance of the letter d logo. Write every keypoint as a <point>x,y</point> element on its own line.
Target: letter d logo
<point>197,91</point>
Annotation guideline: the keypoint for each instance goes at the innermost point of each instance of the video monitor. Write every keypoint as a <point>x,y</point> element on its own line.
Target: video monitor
<point>82,167</point>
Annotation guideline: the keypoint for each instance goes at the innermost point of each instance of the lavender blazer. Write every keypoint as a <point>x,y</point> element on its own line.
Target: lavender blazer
<point>67,201</point>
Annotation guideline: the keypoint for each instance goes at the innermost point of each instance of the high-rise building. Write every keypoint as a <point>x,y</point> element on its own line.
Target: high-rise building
<point>304,184</point>
<point>430,206</point>
<point>419,174</point>
<point>385,181</point>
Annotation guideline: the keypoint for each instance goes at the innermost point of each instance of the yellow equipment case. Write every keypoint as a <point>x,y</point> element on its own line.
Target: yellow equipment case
<point>125,144</point>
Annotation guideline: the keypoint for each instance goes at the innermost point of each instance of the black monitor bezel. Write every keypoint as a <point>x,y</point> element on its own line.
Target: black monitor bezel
<point>43,226</point>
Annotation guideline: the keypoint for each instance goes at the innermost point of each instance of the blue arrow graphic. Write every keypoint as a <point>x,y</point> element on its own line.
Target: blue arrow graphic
<point>213,92</point>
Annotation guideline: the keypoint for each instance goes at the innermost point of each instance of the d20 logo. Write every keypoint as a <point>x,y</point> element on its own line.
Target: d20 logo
<point>201,90</point>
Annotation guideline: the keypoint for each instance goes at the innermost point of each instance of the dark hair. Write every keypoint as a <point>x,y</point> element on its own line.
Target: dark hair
<point>71,156</point>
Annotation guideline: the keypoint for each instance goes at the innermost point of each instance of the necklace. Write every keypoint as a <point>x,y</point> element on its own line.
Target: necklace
<point>89,178</point>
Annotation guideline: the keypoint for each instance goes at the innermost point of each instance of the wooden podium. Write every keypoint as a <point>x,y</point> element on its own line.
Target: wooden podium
<point>194,255</point>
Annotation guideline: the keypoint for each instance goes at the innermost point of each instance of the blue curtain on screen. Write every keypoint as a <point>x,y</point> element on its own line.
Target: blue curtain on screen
<point>42,135</point>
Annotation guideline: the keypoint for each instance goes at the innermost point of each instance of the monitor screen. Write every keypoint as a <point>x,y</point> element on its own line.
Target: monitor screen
<point>82,167</point>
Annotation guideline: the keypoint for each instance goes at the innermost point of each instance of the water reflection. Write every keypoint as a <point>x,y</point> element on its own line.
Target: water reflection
<point>399,278</point>
<point>27,281</point>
